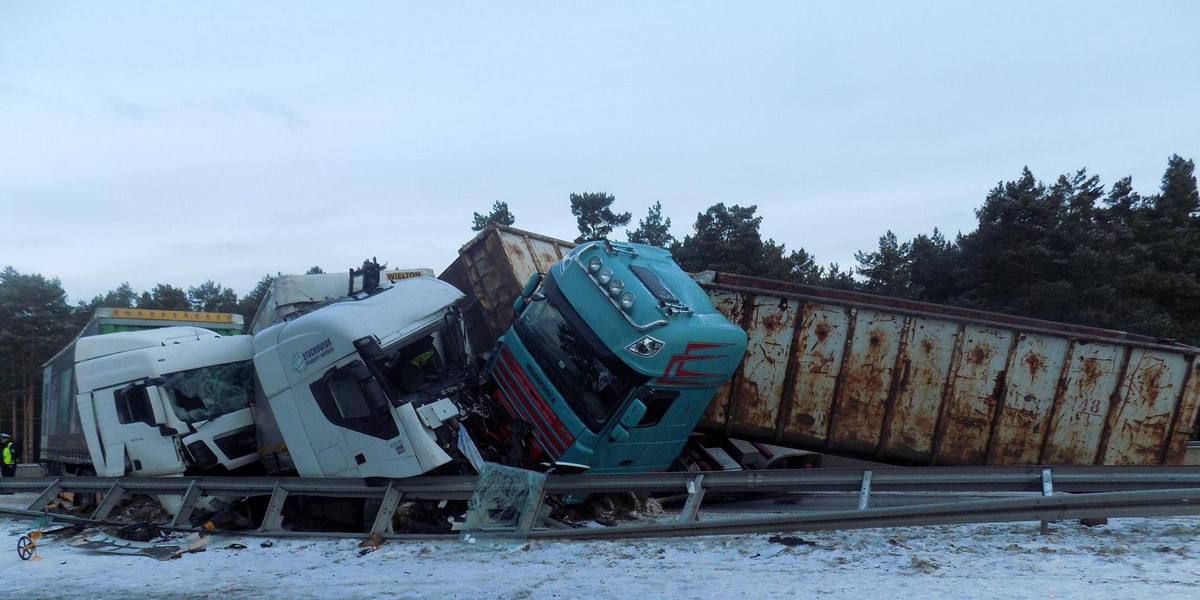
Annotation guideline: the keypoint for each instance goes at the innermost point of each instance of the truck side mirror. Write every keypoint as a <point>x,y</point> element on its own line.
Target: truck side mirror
<point>531,284</point>
<point>633,414</point>
<point>618,433</point>
<point>527,293</point>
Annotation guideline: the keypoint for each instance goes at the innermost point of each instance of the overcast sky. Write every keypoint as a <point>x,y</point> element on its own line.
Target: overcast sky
<point>155,142</point>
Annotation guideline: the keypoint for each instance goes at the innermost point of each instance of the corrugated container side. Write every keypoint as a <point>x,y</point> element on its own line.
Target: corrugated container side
<point>911,382</point>
<point>1187,419</point>
<point>1077,420</point>
<point>924,367</point>
<point>491,269</point>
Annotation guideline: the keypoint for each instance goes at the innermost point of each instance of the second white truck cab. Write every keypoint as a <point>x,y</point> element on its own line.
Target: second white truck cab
<point>350,386</point>
<point>166,401</point>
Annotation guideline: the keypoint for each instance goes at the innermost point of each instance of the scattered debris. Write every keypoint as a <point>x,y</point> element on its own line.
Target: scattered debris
<point>371,544</point>
<point>267,544</point>
<point>790,541</point>
<point>139,532</point>
<point>235,546</point>
<point>1093,521</point>
<point>141,509</point>
<point>71,530</point>
<point>103,542</point>
<point>609,509</point>
<point>896,542</point>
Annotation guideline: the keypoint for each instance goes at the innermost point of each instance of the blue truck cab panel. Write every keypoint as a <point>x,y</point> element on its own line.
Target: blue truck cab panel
<point>614,358</point>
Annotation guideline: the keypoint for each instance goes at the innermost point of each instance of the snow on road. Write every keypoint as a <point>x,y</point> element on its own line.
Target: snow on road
<point>1129,558</point>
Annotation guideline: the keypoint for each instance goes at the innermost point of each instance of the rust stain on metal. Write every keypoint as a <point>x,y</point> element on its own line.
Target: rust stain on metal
<point>514,248</point>
<point>1032,382</point>
<point>970,408</point>
<point>1139,422</point>
<point>819,352</point>
<point>756,398</point>
<point>866,383</point>
<point>979,354</point>
<point>1090,372</point>
<point>822,331</point>
<point>1035,363</point>
<point>770,323</point>
<point>918,395</point>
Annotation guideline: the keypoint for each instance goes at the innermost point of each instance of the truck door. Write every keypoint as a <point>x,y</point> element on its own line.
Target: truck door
<point>141,425</point>
<point>646,433</point>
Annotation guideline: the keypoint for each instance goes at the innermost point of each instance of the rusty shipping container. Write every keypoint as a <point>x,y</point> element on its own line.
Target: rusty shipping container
<point>900,381</point>
<point>491,269</point>
<point>917,383</point>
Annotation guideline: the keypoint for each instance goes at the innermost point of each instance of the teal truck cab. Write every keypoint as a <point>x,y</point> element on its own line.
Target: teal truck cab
<point>613,358</point>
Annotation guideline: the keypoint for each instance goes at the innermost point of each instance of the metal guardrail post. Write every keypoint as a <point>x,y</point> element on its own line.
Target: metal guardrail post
<point>1047,490</point>
<point>189,503</point>
<point>383,519</point>
<point>691,508</point>
<point>273,519</point>
<point>864,494</point>
<point>109,502</point>
<point>51,492</point>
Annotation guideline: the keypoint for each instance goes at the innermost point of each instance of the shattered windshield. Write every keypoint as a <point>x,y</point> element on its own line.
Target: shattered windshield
<point>208,392</point>
<point>422,366</point>
<point>591,379</point>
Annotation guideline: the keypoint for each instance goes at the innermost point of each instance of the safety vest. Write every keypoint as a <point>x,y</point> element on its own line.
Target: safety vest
<point>7,458</point>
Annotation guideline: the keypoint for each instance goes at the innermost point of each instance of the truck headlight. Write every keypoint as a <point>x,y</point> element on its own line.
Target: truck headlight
<point>627,300</point>
<point>604,275</point>
<point>615,287</point>
<point>594,264</point>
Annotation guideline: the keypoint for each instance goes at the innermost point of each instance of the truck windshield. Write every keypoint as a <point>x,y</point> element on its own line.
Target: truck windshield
<point>585,373</point>
<point>421,367</point>
<point>208,392</point>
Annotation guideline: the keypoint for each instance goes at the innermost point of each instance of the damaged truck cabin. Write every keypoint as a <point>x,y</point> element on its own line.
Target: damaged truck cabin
<point>613,359</point>
<point>123,348</point>
<point>166,401</point>
<point>355,388</point>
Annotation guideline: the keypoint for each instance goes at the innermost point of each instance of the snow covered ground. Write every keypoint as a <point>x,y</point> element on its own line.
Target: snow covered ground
<point>1128,558</point>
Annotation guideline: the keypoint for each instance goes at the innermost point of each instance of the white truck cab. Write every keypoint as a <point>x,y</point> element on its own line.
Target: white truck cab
<point>352,387</point>
<point>166,401</point>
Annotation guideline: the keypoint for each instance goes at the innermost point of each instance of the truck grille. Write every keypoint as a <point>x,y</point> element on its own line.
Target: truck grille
<point>523,401</point>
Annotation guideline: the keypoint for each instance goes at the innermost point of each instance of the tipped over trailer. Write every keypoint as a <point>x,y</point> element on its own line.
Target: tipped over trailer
<point>893,381</point>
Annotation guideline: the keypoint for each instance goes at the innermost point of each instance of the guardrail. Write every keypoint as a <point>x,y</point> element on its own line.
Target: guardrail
<point>1055,493</point>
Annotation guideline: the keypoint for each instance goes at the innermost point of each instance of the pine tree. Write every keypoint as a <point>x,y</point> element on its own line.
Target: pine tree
<point>888,270</point>
<point>164,297</point>
<point>500,215</point>
<point>594,216</point>
<point>212,297</point>
<point>725,239</point>
<point>654,230</point>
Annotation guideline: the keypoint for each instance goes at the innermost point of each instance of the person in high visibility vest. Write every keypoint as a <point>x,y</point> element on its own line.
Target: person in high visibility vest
<point>8,463</point>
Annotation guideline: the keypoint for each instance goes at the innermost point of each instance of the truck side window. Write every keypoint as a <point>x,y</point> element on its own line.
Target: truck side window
<point>657,402</point>
<point>133,405</point>
<point>351,397</point>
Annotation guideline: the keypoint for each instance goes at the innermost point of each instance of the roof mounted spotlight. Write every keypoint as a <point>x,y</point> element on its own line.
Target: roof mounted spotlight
<point>615,287</point>
<point>627,300</point>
